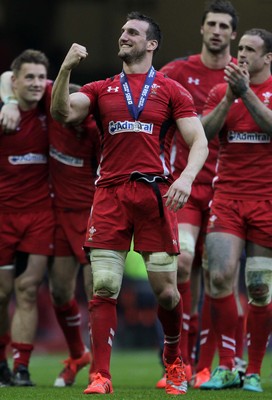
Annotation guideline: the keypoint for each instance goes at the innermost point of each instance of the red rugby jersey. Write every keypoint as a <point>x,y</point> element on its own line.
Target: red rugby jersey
<point>198,79</point>
<point>245,162</point>
<point>143,145</point>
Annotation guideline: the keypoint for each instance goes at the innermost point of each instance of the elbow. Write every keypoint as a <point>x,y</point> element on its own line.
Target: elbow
<point>57,115</point>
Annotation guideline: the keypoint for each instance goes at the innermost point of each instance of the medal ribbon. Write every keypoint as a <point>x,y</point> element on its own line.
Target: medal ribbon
<point>136,111</point>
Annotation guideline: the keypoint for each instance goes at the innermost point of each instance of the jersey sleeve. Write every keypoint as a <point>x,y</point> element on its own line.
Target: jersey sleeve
<point>214,97</point>
<point>182,102</point>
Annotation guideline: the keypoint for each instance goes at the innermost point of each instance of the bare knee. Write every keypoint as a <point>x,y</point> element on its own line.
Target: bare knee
<point>185,261</point>
<point>168,297</point>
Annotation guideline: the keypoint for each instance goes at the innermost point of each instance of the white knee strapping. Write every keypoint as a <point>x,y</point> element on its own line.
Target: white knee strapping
<point>161,262</point>
<point>186,241</point>
<point>107,269</point>
<point>7,267</point>
<point>259,280</point>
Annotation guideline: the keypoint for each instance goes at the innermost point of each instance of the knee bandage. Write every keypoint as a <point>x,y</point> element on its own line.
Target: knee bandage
<point>186,241</point>
<point>107,269</point>
<point>259,280</point>
<point>6,267</point>
<point>161,262</point>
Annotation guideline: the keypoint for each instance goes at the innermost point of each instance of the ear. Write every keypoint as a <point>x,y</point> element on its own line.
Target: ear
<point>152,45</point>
<point>268,58</point>
<point>233,35</point>
<point>201,30</point>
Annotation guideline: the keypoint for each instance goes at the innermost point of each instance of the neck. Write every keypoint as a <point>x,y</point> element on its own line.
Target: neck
<point>27,106</point>
<point>140,68</point>
<point>260,77</point>
<point>215,61</point>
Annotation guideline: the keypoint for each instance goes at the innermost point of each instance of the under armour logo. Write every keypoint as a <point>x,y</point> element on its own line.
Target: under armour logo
<point>192,80</point>
<point>113,89</point>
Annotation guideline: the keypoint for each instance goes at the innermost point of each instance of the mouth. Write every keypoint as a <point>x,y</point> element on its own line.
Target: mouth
<point>125,46</point>
<point>215,41</point>
<point>242,63</point>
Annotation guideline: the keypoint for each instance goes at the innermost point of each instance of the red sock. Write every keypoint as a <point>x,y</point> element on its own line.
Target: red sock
<point>185,293</point>
<point>192,338</point>
<point>224,319</point>
<point>69,319</point>
<point>258,330</point>
<point>207,337</point>
<point>4,341</point>
<point>103,322</point>
<point>171,323</point>
<point>21,354</point>
<point>240,336</point>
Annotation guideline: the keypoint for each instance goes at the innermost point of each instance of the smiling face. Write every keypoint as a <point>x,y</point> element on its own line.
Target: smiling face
<point>133,43</point>
<point>217,32</point>
<point>29,84</point>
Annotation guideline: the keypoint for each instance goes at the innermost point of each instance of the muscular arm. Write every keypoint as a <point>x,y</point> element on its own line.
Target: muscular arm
<point>214,121</point>
<point>9,115</point>
<point>261,114</point>
<point>67,108</point>
<point>194,135</point>
<point>238,79</point>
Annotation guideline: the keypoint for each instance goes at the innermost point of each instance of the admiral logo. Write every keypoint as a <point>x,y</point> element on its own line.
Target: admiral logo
<point>65,159</point>
<point>113,89</point>
<point>192,80</point>
<point>130,126</point>
<point>248,137</point>
<point>30,158</point>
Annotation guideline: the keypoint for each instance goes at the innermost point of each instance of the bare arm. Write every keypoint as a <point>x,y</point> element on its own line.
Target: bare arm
<point>261,114</point>
<point>214,121</point>
<point>193,133</point>
<point>9,115</point>
<point>67,108</point>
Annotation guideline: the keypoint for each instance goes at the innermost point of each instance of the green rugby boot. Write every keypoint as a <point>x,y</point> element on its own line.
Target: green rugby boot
<point>252,382</point>
<point>222,378</point>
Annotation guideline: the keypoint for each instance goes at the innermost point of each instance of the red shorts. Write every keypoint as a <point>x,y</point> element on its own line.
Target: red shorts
<point>249,220</point>
<point>29,232</point>
<point>131,209</point>
<point>70,234</point>
<point>196,210</point>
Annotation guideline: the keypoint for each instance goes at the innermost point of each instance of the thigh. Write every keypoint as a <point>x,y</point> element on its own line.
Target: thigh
<point>153,233</point>
<point>32,277</point>
<point>6,282</point>
<point>63,271</point>
<point>225,216</point>
<point>110,225</point>
<point>223,251</point>
<point>259,222</point>
<point>38,234</point>
<point>70,234</point>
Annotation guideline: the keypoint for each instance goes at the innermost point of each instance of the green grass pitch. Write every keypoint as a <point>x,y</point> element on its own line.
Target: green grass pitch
<point>134,375</point>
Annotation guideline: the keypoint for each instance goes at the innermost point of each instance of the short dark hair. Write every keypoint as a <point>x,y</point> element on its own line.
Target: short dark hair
<point>221,7</point>
<point>29,56</point>
<point>153,32</point>
<point>263,34</point>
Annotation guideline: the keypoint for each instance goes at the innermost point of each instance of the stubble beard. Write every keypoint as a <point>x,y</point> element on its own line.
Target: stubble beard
<point>132,58</point>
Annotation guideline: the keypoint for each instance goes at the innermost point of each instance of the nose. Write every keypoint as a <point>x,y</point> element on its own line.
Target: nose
<point>216,29</point>
<point>36,81</point>
<point>124,36</point>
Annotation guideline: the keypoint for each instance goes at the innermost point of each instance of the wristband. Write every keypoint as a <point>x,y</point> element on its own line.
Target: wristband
<point>10,100</point>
